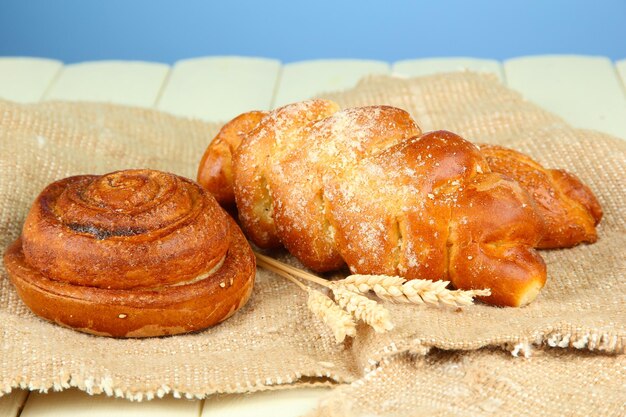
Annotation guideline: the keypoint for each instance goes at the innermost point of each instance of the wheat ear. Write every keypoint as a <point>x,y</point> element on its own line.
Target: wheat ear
<point>350,304</point>
<point>339,321</point>
<point>393,288</point>
<point>362,308</point>
<point>416,291</point>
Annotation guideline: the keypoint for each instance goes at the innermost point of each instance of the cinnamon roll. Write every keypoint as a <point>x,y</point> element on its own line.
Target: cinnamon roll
<point>132,253</point>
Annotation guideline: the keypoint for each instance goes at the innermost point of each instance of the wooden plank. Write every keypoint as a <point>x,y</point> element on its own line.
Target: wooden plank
<point>122,82</point>
<point>302,80</point>
<point>23,80</point>
<point>621,70</point>
<point>11,404</point>
<point>220,88</point>
<point>288,403</point>
<point>73,402</point>
<point>26,79</point>
<point>430,66</point>
<point>584,90</point>
<point>132,83</point>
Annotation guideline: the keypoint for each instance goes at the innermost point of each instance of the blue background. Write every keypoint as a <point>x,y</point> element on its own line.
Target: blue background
<point>389,30</point>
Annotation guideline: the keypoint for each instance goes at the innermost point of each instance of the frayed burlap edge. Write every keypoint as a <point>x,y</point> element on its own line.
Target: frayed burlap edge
<point>109,387</point>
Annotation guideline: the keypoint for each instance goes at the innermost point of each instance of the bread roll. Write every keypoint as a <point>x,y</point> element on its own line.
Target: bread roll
<point>132,253</point>
<point>567,206</point>
<point>364,187</point>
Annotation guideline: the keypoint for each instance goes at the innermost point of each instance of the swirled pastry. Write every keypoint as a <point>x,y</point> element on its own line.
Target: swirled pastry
<point>132,253</point>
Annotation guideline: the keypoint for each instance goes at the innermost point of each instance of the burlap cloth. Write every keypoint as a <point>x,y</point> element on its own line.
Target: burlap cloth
<point>274,342</point>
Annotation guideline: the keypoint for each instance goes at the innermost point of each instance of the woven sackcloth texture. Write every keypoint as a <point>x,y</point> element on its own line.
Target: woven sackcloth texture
<point>274,341</point>
<point>485,382</point>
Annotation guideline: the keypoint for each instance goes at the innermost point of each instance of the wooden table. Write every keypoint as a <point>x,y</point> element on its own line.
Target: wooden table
<point>587,91</point>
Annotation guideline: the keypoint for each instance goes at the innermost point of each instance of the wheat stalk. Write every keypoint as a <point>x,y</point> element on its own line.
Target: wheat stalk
<point>416,291</point>
<point>350,304</point>
<point>269,262</point>
<point>339,321</point>
<point>392,288</point>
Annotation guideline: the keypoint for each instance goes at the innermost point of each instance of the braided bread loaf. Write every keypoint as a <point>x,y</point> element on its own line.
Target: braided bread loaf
<point>362,186</point>
<point>215,172</point>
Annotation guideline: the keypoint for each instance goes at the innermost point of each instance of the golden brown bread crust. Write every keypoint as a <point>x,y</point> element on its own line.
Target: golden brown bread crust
<point>252,162</point>
<point>215,169</point>
<point>429,208</point>
<point>494,229</point>
<point>392,211</point>
<point>127,229</point>
<point>133,253</point>
<point>297,176</point>
<point>568,208</point>
<point>140,312</point>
